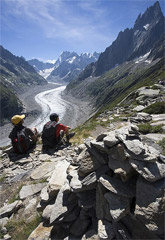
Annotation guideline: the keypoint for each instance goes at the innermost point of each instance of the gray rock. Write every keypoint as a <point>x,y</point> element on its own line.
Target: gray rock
<point>7,237</point>
<point>102,206</point>
<point>87,199</point>
<point>31,190</point>
<point>135,146</point>
<point>64,203</point>
<point>101,136</point>
<point>105,230</point>
<point>47,213</point>
<point>158,117</point>
<point>111,139</point>
<point>100,146</point>
<point>44,194</point>
<point>90,235</point>
<point>118,187</point>
<point>4,221</point>
<point>7,210</point>
<point>139,108</point>
<point>149,92</point>
<point>74,181</point>
<point>119,206</point>
<point>117,153</point>
<point>122,232</point>
<point>79,227</point>
<point>43,157</point>
<point>43,171</point>
<point>150,205</point>
<point>31,206</point>
<point>87,163</point>
<point>58,177</point>
<point>41,233</point>
<point>123,168</point>
<point>150,171</point>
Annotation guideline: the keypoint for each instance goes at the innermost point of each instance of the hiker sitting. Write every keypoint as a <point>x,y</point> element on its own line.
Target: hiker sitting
<point>53,132</point>
<point>22,138</point>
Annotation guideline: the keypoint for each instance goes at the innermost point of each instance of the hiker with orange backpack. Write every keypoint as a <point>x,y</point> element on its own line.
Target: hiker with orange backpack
<point>22,138</point>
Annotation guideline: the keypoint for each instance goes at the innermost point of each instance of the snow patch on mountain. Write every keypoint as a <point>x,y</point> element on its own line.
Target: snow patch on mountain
<point>46,72</point>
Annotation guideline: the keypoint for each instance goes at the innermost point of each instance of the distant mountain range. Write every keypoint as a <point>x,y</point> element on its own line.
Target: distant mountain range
<point>136,57</point>
<point>16,76</point>
<point>67,67</point>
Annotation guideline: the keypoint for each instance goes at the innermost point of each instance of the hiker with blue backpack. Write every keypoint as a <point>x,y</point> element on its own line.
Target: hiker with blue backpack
<point>22,138</point>
<point>53,132</point>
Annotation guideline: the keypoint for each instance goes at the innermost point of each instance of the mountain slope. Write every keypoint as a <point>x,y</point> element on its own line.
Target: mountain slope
<point>16,76</point>
<point>135,59</point>
<point>130,43</point>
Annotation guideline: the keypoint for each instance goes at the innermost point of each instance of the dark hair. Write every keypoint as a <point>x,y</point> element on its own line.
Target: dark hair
<point>53,116</point>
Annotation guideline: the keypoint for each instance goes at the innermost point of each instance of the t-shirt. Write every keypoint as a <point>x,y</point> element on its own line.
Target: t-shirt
<point>60,127</point>
<point>28,132</point>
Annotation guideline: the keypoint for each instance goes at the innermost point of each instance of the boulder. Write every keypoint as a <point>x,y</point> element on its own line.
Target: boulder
<point>31,190</point>
<point>135,146</point>
<point>41,233</point>
<point>119,206</point>
<point>99,146</point>
<point>90,235</point>
<point>111,139</point>
<point>118,187</point>
<point>3,221</point>
<point>138,108</point>
<point>47,213</point>
<point>149,207</point>
<point>58,177</point>
<point>150,171</point>
<point>117,153</point>
<point>7,210</point>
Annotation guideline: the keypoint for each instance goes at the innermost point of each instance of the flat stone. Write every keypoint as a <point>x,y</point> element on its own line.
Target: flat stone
<point>101,136</point>
<point>139,108</point>
<point>74,181</point>
<point>119,206</point>
<point>118,187</point>
<point>149,207</point>
<point>158,117</point>
<point>43,171</point>
<point>105,230</point>
<point>7,237</point>
<point>149,92</point>
<point>111,139</point>
<point>117,152</point>
<point>47,213</point>
<point>41,233</point>
<point>31,190</point>
<point>58,177</point>
<point>43,157</point>
<point>90,235</point>
<point>31,205</point>
<point>150,171</point>
<point>123,167</point>
<point>135,146</point>
<point>7,210</point>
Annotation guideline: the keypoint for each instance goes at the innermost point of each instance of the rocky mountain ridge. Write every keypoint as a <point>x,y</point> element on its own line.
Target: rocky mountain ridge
<point>131,43</point>
<point>67,66</point>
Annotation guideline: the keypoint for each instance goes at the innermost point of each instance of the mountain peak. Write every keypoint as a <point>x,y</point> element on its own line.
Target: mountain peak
<point>152,13</point>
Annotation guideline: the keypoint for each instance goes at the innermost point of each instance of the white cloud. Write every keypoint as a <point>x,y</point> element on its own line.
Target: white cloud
<point>57,19</point>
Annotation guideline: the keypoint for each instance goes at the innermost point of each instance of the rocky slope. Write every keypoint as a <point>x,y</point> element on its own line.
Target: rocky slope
<point>16,76</point>
<point>109,187</point>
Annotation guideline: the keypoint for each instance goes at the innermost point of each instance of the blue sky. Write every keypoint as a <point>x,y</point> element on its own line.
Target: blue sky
<point>45,28</point>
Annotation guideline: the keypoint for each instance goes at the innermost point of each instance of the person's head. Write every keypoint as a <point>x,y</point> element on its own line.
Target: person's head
<point>18,120</point>
<point>54,117</point>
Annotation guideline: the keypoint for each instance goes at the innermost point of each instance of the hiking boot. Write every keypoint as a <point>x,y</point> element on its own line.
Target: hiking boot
<point>70,135</point>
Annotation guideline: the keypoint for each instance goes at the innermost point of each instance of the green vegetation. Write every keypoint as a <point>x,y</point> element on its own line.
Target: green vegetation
<point>2,178</point>
<point>162,144</point>
<point>155,108</point>
<point>20,229</point>
<point>147,128</point>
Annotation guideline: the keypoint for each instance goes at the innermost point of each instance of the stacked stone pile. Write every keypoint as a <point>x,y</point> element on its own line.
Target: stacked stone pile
<point>114,189</point>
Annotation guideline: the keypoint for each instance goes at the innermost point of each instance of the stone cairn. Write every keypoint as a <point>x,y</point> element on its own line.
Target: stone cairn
<point>113,190</point>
